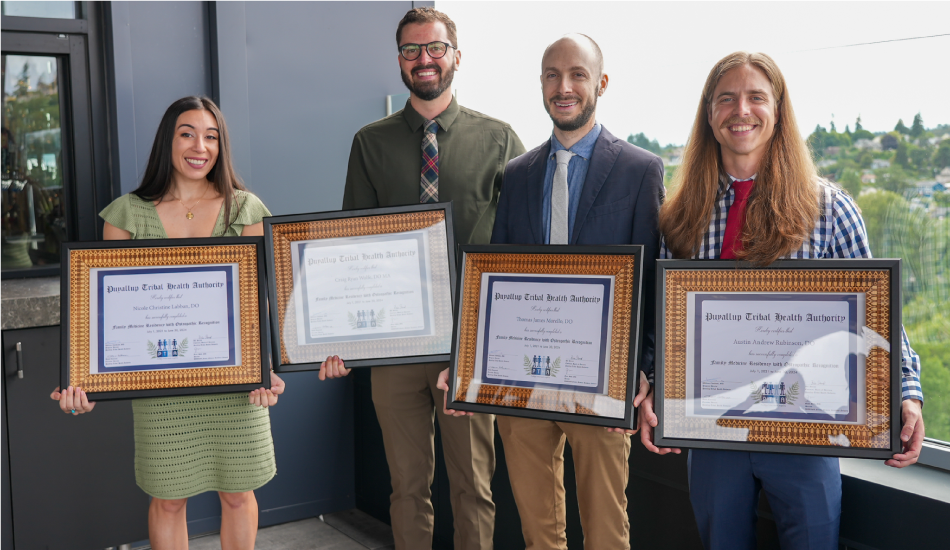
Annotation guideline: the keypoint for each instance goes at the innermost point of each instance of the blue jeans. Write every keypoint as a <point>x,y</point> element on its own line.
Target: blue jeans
<point>803,491</point>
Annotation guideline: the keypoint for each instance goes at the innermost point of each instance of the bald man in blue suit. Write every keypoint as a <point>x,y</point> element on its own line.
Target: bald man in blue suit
<point>614,191</point>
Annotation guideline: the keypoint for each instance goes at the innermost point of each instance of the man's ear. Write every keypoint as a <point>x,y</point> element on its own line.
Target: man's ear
<point>458,59</point>
<point>603,85</point>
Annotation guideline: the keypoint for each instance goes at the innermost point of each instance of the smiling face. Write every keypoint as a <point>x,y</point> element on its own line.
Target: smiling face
<point>571,82</point>
<point>742,115</point>
<point>428,78</point>
<point>195,146</point>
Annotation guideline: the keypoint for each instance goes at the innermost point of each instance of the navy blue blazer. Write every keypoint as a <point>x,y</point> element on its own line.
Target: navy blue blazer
<point>619,204</point>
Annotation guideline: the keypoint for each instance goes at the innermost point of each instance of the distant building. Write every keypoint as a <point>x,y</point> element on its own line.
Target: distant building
<point>868,177</point>
<point>673,157</point>
<point>874,145</point>
<point>926,188</point>
<point>878,164</point>
<point>832,151</point>
<point>824,163</point>
<point>944,175</point>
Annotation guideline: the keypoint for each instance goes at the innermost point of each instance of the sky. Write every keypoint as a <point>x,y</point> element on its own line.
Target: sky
<point>658,54</point>
<point>39,69</point>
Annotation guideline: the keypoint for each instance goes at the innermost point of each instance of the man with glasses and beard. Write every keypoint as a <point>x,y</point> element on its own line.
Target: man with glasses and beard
<point>583,186</point>
<point>432,151</point>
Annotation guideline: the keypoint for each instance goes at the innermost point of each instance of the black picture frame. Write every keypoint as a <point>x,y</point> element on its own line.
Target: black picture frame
<point>259,280</point>
<point>633,337</point>
<point>837,270</point>
<point>278,297</point>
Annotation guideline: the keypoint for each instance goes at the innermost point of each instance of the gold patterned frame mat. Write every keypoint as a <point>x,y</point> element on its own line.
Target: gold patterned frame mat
<point>876,286</point>
<point>284,234</point>
<point>621,266</point>
<point>82,261</point>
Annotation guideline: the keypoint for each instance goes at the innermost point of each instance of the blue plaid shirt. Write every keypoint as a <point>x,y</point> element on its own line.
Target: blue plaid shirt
<point>839,233</point>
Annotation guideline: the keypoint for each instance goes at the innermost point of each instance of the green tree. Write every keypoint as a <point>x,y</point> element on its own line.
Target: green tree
<point>920,159</point>
<point>901,156</point>
<point>851,181</point>
<point>865,160</point>
<point>935,379</point>
<point>900,128</point>
<point>893,179</point>
<point>942,155</point>
<point>857,124</point>
<point>874,209</point>
<point>23,83</point>
<point>641,141</point>
<point>889,141</point>
<point>861,134</point>
<point>917,128</point>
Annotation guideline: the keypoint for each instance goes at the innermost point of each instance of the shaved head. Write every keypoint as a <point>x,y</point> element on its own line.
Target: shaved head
<point>583,41</point>
<point>572,79</point>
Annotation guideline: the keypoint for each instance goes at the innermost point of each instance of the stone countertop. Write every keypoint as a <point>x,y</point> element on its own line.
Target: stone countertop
<point>29,302</point>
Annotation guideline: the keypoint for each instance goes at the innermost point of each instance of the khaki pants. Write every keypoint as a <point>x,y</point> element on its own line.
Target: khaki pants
<point>534,451</point>
<point>406,400</point>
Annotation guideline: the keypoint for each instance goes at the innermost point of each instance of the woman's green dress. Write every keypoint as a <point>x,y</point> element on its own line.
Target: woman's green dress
<point>188,445</point>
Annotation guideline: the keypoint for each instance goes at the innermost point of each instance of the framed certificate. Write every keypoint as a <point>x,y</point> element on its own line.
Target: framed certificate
<point>550,332</point>
<point>158,318</point>
<point>802,356</point>
<point>372,286</point>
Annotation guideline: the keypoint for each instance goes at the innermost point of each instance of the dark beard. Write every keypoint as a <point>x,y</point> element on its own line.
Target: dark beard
<point>575,123</point>
<point>430,91</point>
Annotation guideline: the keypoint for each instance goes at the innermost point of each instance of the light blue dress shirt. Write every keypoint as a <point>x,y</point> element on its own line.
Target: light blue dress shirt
<point>576,174</point>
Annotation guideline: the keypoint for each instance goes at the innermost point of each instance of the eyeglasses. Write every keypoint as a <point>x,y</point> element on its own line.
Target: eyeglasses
<point>436,50</point>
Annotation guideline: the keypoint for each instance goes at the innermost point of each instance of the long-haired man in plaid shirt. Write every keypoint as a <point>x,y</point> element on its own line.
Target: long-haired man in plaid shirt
<point>746,159</point>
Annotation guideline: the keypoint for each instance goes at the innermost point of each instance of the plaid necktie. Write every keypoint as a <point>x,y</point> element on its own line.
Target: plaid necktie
<point>429,191</point>
<point>731,242</point>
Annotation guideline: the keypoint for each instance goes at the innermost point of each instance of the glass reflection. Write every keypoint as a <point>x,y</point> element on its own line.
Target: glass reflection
<point>33,220</point>
<point>369,296</point>
<point>55,10</point>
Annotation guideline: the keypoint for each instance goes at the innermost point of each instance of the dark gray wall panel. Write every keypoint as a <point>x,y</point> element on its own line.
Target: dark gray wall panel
<point>160,53</point>
<point>316,73</point>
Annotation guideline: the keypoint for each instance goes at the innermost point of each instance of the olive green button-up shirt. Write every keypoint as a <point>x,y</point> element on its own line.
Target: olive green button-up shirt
<point>386,165</point>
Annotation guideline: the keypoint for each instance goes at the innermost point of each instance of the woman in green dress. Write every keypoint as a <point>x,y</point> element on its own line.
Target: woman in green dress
<point>185,446</point>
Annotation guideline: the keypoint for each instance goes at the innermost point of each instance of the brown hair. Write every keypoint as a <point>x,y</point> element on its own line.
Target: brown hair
<point>784,203</point>
<point>158,172</point>
<point>428,15</point>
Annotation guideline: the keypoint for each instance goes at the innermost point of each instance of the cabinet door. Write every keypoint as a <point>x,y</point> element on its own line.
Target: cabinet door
<point>72,478</point>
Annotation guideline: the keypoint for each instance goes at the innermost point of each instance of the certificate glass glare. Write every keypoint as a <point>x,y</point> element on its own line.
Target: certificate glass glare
<point>788,369</point>
<point>157,318</point>
<point>362,288</point>
<point>544,331</point>
<point>776,356</point>
<point>547,340</point>
<point>372,286</point>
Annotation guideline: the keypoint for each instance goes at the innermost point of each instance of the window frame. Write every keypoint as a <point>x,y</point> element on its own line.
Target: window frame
<point>76,43</point>
<point>935,454</point>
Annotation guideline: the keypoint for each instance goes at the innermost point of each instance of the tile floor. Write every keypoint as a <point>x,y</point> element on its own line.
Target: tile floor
<point>347,530</point>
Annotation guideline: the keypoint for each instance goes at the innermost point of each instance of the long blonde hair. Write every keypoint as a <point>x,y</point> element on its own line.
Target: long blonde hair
<point>784,203</point>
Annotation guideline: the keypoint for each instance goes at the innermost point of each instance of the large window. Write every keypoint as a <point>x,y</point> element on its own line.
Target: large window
<point>34,221</point>
<point>863,83</point>
<point>55,157</point>
<point>55,10</point>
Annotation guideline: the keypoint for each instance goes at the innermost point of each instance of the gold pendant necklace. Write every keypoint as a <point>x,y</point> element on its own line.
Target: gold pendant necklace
<point>189,215</point>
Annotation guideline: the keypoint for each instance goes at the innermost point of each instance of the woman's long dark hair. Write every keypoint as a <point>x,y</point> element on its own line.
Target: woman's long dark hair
<point>158,172</point>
